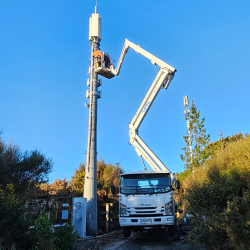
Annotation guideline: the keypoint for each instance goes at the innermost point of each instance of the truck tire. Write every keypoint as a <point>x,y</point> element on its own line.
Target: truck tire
<point>171,230</point>
<point>126,231</point>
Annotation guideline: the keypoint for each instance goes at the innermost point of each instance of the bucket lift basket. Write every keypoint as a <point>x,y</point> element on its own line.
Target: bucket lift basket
<point>105,67</point>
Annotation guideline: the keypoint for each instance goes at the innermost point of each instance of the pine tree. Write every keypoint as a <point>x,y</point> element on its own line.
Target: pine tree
<point>199,140</point>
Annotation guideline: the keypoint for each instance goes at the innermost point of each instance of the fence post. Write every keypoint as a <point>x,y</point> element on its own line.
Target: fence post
<point>107,217</point>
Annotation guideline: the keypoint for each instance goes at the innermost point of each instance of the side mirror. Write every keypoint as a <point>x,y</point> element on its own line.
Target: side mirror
<point>177,184</point>
<point>112,189</point>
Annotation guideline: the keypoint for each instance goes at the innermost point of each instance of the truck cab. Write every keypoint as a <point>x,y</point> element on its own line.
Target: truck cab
<point>146,200</point>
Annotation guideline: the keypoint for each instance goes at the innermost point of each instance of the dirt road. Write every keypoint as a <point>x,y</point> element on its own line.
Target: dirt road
<point>146,240</point>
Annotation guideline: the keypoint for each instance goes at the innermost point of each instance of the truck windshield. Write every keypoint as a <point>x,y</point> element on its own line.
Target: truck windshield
<point>145,183</point>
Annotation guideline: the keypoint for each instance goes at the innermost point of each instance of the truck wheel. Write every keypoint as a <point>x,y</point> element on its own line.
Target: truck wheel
<point>171,230</point>
<point>126,231</point>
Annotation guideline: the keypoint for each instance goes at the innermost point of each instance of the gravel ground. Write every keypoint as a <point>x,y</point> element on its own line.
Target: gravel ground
<point>151,239</point>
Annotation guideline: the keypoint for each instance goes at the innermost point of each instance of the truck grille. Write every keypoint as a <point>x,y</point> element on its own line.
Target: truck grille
<point>145,211</point>
<point>145,215</point>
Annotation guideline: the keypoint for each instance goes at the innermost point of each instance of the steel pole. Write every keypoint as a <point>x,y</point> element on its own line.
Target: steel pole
<point>90,184</point>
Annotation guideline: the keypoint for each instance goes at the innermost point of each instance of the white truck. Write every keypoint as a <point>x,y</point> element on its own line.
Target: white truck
<point>145,197</point>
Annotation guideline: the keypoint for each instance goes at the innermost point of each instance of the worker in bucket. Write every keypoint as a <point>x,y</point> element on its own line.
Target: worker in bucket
<point>97,55</point>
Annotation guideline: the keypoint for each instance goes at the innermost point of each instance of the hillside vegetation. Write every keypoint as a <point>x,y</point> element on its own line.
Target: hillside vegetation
<point>217,194</point>
<point>107,174</point>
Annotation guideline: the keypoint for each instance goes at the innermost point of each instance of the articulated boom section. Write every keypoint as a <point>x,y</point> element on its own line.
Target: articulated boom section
<point>163,79</point>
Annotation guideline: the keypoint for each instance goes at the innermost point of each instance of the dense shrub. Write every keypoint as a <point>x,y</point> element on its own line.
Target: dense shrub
<point>14,220</point>
<point>65,237</point>
<point>20,172</point>
<point>46,237</point>
<point>218,196</point>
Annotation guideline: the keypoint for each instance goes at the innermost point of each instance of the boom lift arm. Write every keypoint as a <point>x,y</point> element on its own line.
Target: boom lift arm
<point>163,79</point>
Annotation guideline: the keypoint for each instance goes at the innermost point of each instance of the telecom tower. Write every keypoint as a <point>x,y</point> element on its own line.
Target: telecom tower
<point>90,184</point>
<point>185,100</point>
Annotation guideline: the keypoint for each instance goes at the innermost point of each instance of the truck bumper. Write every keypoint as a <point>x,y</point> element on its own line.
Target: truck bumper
<point>146,221</point>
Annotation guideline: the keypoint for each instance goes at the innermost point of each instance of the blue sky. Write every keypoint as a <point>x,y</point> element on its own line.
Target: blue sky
<point>45,54</point>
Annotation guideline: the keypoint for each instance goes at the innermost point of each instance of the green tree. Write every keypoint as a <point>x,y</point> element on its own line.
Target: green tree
<point>198,138</point>
<point>22,169</point>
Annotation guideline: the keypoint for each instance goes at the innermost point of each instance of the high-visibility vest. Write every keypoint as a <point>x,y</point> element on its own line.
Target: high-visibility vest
<point>97,53</point>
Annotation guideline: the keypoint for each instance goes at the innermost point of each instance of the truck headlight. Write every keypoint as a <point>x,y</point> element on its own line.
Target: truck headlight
<point>123,210</point>
<point>169,208</point>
